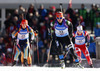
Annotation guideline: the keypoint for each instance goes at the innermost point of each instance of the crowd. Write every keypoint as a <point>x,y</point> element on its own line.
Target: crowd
<point>39,20</point>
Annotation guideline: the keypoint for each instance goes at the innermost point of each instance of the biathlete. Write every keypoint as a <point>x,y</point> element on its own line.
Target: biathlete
<point>63,29</point>
<point>22,34</point>
<point>80,37</point>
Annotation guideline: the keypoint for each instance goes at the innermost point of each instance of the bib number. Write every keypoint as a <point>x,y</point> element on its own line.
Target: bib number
<point>61,32</point>
<point>23,36</point>
<point>80,41</point>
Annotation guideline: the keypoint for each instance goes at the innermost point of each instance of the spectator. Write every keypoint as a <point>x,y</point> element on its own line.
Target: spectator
<point>97,8</point>
<point>9,48</point>
<point>97,24</point>
<point>21,9</point>
<point>16,13</point>
<point>67,16</point>
<point>2,59</point>
<point>10,29</point>
<point>15,20</point>
<point>43,30</point>
<point>2,30</point>
<point>21,17</point>
<point>34,24</point>
<point>96,18</point>
<point>37,16</point>
<point>42,12</point>
<point>7,21</point>
<point>30,18</point>
<point>71,12</point>
<point>41,46</point>
<point>91,17</point>
<point>2,45</point>
<point>2,51</point>
<point>26,14</point>
<point>52,12</point>
<point>31,9</point>
<point>84,14</point>
<point>80,21</point>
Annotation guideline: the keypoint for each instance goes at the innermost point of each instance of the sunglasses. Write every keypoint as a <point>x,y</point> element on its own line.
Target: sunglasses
<point>59,18</point>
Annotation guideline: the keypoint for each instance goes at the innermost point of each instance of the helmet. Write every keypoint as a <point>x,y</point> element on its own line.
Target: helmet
<point>24,22</point>
<point>59,14</point>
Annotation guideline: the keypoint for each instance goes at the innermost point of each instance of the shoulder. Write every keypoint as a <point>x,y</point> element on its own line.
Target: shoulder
<point>85,32</point>
<point>18,28</point>
<point>29,28</point>
<point>67,22</point>
<point>74,33</point>
<point>52,23</point>
<point>45,10</point>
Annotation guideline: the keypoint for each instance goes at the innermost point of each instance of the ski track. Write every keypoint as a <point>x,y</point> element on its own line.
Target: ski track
<point>35,68</point>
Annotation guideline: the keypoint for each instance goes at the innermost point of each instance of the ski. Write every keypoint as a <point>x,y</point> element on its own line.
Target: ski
<point>78,65</point>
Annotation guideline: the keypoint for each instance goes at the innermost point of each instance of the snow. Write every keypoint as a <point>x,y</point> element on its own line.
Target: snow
<point>35,68</point>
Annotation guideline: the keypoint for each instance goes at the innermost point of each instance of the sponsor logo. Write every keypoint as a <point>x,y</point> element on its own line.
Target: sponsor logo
<point>80,38</point>
<point>60,27</point>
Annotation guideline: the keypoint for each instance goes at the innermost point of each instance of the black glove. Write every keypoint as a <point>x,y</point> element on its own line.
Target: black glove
<point>87,44</point>
<point>49,36</point>
<point>37,31</point>
<point>14,39</point>
<point>32,41</point>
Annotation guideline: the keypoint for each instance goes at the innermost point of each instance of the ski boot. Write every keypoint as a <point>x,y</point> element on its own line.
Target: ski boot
<point>91,66</point>
<point>14,63</point>
<point>78,64</point>
<point>62,64</point>
<point>22,64</point>
<point>25,62</point>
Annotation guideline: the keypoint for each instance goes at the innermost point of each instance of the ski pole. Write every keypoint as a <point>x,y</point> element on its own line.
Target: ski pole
<point>13,50</point>
<point>37,47</point>
<point>48,56</point>
<point>61,8</point>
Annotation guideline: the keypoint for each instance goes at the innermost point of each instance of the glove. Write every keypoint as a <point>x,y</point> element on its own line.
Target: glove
<point>36,32</point>
<point>87,44</point>
<point>13,36</point>
<point>32,41</point>
<point>49,36</point>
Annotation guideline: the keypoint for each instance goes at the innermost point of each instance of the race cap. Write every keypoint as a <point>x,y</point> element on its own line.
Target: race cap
<point>79,28</point>
<point>24,22</point>
<point>59,14</point>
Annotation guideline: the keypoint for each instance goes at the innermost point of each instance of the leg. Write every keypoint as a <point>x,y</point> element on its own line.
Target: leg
<point>71,47</point>
<point>22,54</point>
<point>78,51</point>
<point>22,57</point>
<point>25,54</point>
<point>16,55</point>
<point>60,54</point>
<point>92,27</point>
<point>87,55</point>
<point>29,59</point>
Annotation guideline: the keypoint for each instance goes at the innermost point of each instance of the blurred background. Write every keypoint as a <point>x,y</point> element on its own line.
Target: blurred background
<point>40,13</point>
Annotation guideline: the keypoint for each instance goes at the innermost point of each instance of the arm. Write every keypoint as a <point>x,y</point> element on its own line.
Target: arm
<point>31,32</point>
<point>15,33</point>
<point>51,29</point>
<point>87,36</point>
<point>73,38</point>
<point>70,28</point>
